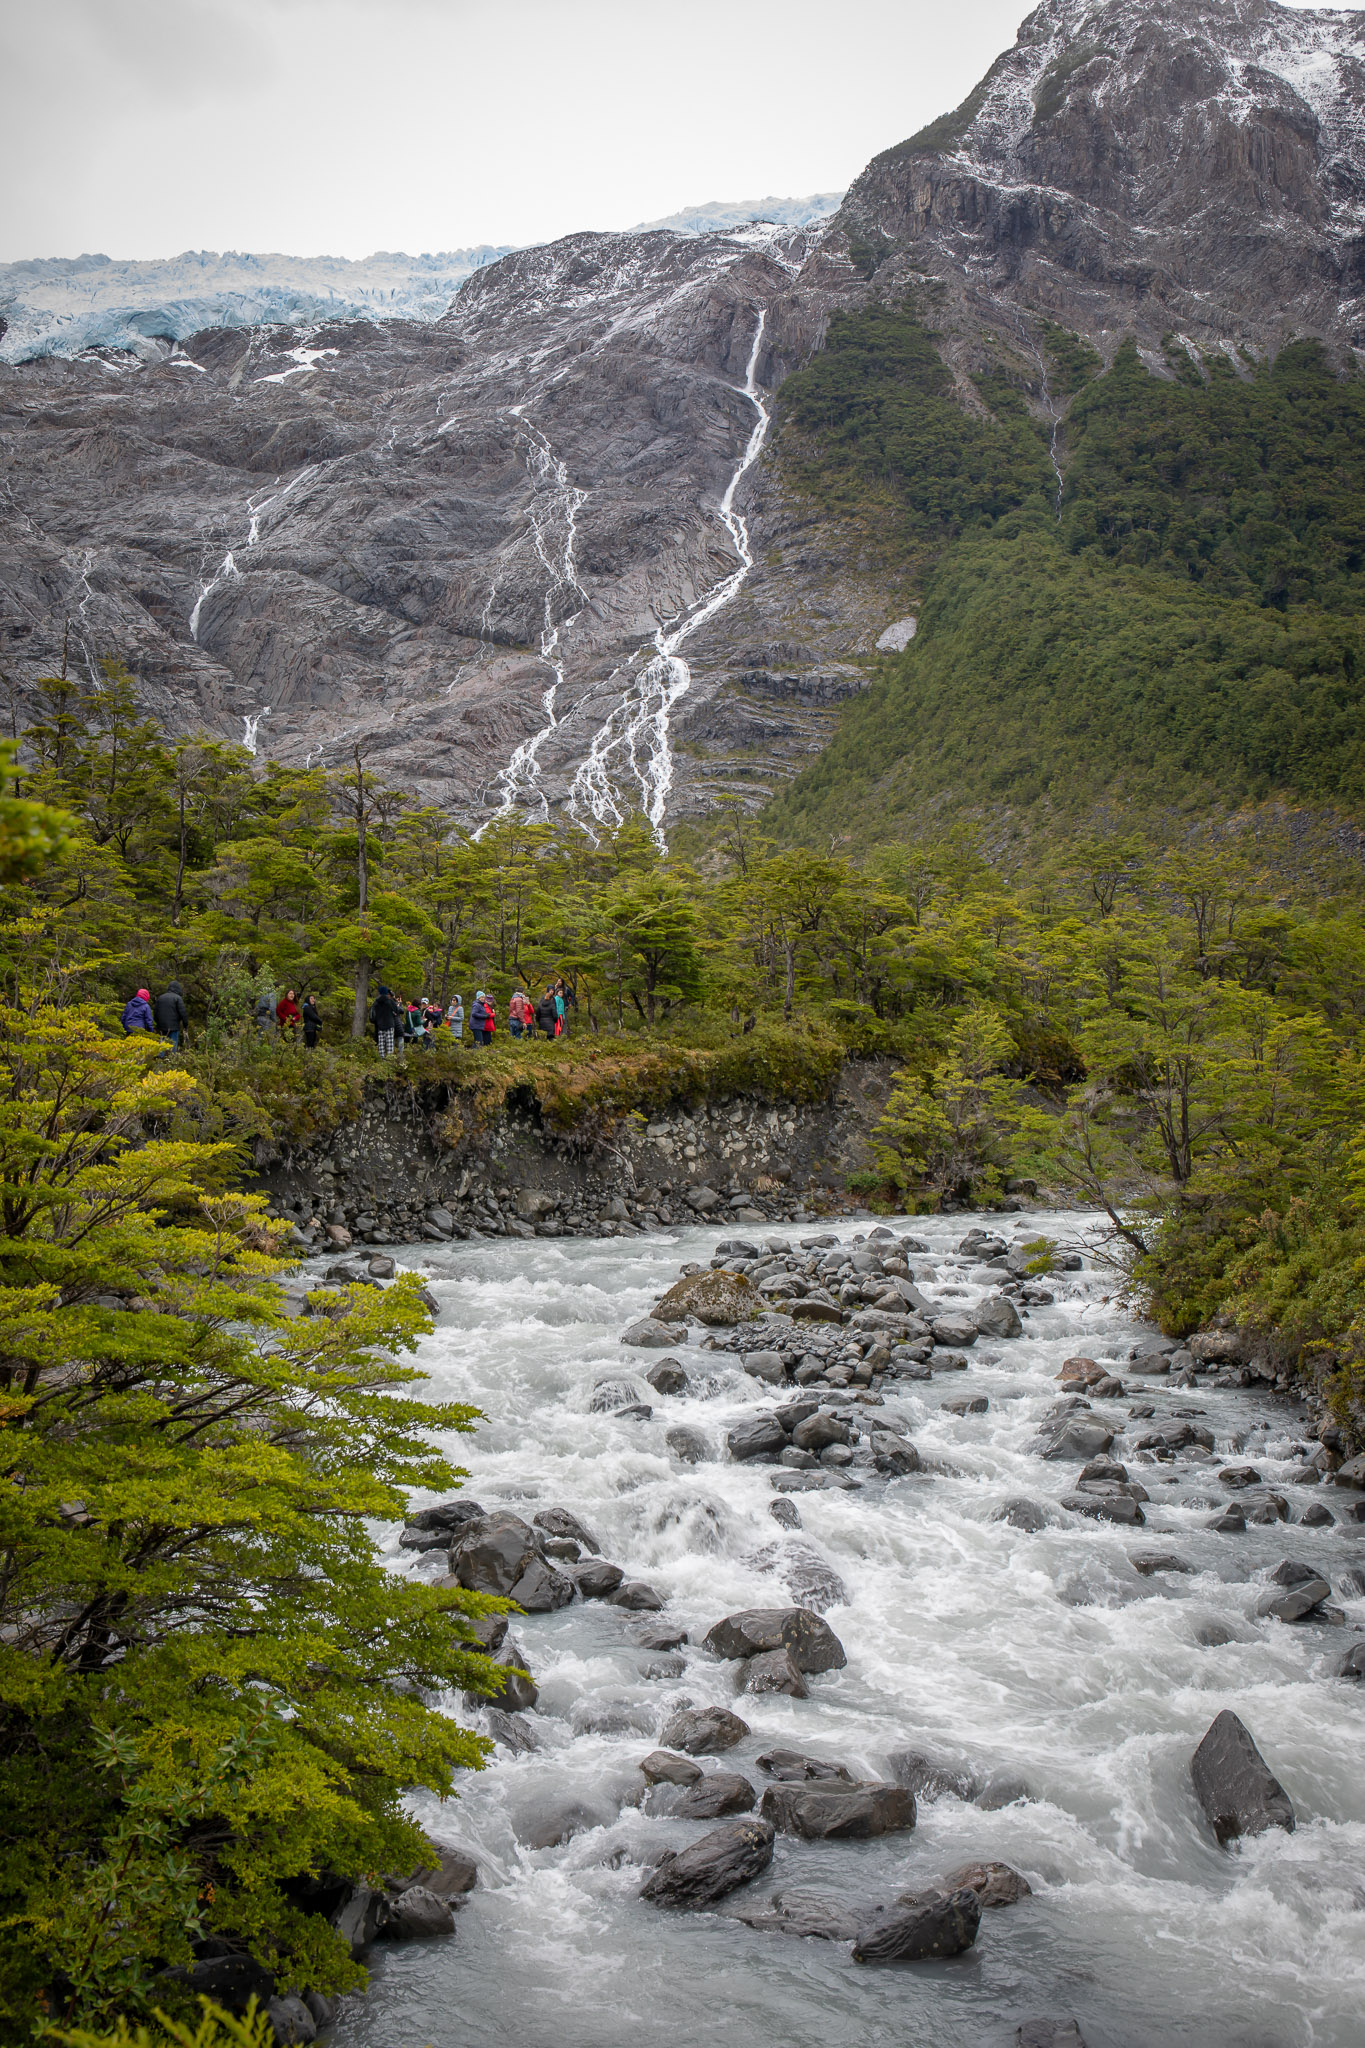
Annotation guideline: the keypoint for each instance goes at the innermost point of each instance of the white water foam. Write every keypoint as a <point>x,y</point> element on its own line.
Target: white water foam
<point>1044,1657</point>
<point>636,738</point>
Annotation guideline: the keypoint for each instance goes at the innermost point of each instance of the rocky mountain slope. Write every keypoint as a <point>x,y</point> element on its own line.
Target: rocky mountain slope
<point>551,550</point>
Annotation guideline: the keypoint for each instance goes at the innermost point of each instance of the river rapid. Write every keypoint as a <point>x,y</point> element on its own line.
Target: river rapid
<point>1039,1658</point>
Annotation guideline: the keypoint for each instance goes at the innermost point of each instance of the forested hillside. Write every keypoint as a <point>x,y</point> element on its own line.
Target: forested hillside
<point>1174,627</point>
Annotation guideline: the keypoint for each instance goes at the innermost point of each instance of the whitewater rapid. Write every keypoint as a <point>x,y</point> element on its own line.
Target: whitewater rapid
<point>1040,1658</point>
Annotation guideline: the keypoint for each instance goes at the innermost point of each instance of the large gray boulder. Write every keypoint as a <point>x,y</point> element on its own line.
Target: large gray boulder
<point>921,1927</point>
<point>493,1555</point>
<point>702,1731</point>
<point>757,1436</point>
<point>713,1797</point>
<point>952,1331</point>
<point>997,1316</point>
<point>417,1914</point>
<point>995,1884</point>
<point>561,1522</point>
<point>650,1335</point>
<point>1234,1784</point>
<point>596,1579</point>
<point>775,1671</point>
<point>718,1299</point>
<point>1080,1439</point>
<point>660,1767</point>
<point>719,1863</point>
<point>833,1812</point>
<point>810,1641</point>
<point>541,1589</point>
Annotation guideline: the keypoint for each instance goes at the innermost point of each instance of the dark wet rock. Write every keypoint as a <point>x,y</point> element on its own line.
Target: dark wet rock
<point>546,1826</point>
<point>819,1431</point>
<point>920,1927</point>
<point>634,1411</point>
<point>358,1922</point>
<point>811,1642</point>
<point>997,1316</point>
<point>456,1874</point>
<point>1353,1663</point>
<point>1351,1585</point>
<point>447,1519</point>
<point>417,1914</point>
<point>560,1522</point>
<point>661,1767</point>
<point>597,1579</point>
<point>494,1554</point>
<point>931,1778</point>
<point>650,1335</point>
<point>518,1692</point>
<point>833,1812</point>
<point>668,1378</point>
<point>291,2020</point>
<point>1079,1440</point>
<point>658,1635</point>
<point>965,1404</point>
<point>234,1981</point>
<point>893,1454</point>
<point>666,1666</point>
<point>1107,1507</point>
<point>719,1300</point>
<point>1296,1602</point>
<point>1352,1473</point>
<point>809,1914</point>
<point>1235,1477</point>
<point>689,1445</point>
<point>703,1731</point>
<point>794,1767</point>
<point>1104,1468</point>
<point>1266,1509</point>
<point>1049,2034</point>
<point>513,1731</point>
<point>794,1412</point>
<point>1001,1789</point>
<point>1021,1514</point>
<point>635,1594</point>
<point>1292,1571</point>
<point>719,1863</point>
<point>1232,1521</point>
<point>775,1671</point>
<point>541,1589</point>
<point>1211,1635</point>
<point>713,1796</point>
<point>757,1436</point>
<point>995,1885</point>
<point>786,1512</point>
<point>1149,1562</point>
<point>799,1482</point>
<point>1234,1784</point>
<point>1316,1516</point>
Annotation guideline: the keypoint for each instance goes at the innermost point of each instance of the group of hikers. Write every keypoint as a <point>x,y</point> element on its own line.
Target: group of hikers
<point>397,1023</point>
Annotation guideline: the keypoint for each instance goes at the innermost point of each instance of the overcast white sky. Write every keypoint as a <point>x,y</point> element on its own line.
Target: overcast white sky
<point>144,127</point>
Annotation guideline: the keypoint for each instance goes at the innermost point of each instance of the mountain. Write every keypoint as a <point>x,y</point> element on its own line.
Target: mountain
<point>737,213</point>
<point>1069,380</point>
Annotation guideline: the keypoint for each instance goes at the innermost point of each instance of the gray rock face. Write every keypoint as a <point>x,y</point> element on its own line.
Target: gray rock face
<point>1234,1784</point>
<point>713,1796</point>
<point>560,1522</point>
<point>997,1317</point>
<point>810,1642</point>
<point>494,1555</point>
<point>719,1863</point>
<point>832,1812</point>
<point>794,1767</point>
<point>921,1927</point>
<point>995,1884</point>
<point>702,1731</point>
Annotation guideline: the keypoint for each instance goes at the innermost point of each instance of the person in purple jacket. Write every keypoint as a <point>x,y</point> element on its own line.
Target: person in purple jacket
<point>137,1013</point>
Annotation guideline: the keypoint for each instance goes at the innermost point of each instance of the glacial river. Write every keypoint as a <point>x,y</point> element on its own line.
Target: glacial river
<point>1043,1658</point>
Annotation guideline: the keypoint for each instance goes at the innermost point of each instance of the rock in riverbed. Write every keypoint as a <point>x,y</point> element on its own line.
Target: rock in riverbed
<point>1237,1789</point>
<point>701,1731</point>
<point>833,1812</point>
<point>810,1641</point>
<point>717,1864</point>
<point>920,1927</point>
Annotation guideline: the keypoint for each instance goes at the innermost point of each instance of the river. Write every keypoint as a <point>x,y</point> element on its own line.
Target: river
<point>1043,1657</point>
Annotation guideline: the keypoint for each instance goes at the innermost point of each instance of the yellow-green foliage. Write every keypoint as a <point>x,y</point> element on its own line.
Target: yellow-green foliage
<point>214,2029</point>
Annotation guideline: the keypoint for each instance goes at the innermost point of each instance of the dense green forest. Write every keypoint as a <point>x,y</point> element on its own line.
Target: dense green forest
<point>210,1690</point>
<point>1179,634</point>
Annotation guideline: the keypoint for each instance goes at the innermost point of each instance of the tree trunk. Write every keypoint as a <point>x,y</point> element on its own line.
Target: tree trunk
<point>362,997</point>
<point>789,995</point>
<point>362,854</point>
<point>180,868</point>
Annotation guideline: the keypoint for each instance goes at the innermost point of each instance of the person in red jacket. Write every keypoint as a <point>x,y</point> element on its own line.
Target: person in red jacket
<point>520,1016</point>
<point>287,1014</point>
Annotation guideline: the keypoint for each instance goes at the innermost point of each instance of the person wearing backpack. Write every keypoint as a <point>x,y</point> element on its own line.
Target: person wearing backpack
<point>137,1013</point>
<point>171,1014</point>
<point>547,1015</point>
<point>479,1019</point>
<point>312,1021</point>
<point>520,1015</point>
<point>384,1017</point>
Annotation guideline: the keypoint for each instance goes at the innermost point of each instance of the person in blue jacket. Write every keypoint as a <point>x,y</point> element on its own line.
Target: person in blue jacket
<point>137,1013</point>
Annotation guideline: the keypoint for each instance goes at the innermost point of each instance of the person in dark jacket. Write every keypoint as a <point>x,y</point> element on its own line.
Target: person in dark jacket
<point>312,1021</point>
<point>137,1013</point>
<point>384,1017</point>
<point>170,1013</point>
<point>480,1019</point>
<point>547,1014</point>
<point>265,1013</point>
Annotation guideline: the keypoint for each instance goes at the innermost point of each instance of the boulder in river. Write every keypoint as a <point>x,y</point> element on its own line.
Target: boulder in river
<point>929,1777</point>
<point>639,1597</point>
<point>560,1522</point>
<point>702,1731</point>
<point>1353,1663</point>
<point>719,1863</point>
<point>1352,1473</point>
<point>689,1445</point>
<point>766,1365</point>
<point>893,1454</point>
<point>775,1671</point>
<point>921,1926</point>
<point>668,1377</point>
<point>661,1767</point>
<point>518,1692</point>
<point>712,1796</point>
<point>1235,1477</point>
<point>649,1335</point>
<point>785,1512</point>
<point>1231,1522</point>
<point>1149,1562</point>
<point>952,1330</point>
<point>811,1642</point>
<point>541,1589</point>
<point>995,1884</point>
<point>1237,1789</point>
<point>1079,1439</point>
<point>834,1812</point>
<point>1296,1601</point>
<point>596,1580</point>
<point>757,1436</point>
<point>492,1556</point>
<point>452,1877</point>
<point>794,1767</point>
<point>997,1316</point>
<point>417,1914</point>
<point>1021,1514</point>
<point>720,1300</point>
<point>1107,1507</point>
<point>804,1913</point>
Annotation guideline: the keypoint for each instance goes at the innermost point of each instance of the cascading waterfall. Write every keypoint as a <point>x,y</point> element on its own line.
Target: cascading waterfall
<point>1066,1680</point>
<point>251,725</point>
<point>636,737</point>
<point>554,528</point>
<point>228,568</point>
